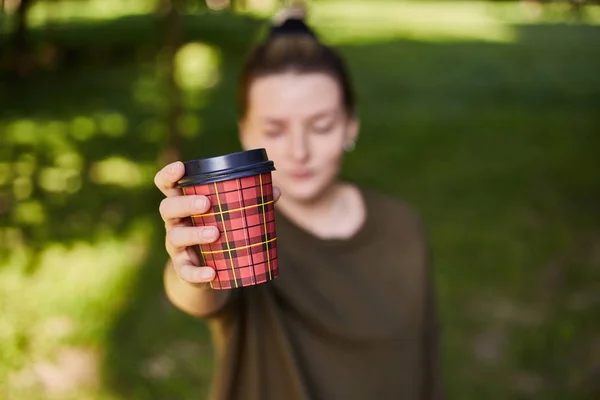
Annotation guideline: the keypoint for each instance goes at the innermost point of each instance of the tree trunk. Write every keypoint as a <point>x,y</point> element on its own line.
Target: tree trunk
<point>173,38</point>
<point>577,9</point>
<point>19,40</point>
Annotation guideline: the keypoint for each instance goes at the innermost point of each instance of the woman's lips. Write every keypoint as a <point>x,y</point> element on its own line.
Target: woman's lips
<point>301,174</point>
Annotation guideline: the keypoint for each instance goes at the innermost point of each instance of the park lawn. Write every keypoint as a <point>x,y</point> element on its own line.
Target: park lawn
<point>493,141</point>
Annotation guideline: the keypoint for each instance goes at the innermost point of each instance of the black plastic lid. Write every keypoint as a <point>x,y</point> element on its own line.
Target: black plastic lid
<point>226,167</point>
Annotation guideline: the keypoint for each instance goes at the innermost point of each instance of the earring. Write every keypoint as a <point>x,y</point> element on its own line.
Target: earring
<point>349,146</point>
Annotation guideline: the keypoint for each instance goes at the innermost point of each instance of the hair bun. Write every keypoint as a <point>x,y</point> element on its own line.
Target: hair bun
<point>296,10</point>
<point>290,20</point>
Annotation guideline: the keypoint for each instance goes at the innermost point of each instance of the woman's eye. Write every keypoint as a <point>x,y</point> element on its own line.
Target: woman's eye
<point>326,128</point>
<point>273,133</point>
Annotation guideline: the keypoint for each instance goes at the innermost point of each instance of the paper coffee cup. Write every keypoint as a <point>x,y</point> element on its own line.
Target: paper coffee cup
<point>240,189</point>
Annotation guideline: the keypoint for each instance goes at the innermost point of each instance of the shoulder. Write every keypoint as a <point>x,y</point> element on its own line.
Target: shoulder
<point>385,207</point>
<point>399,236</point>
<point>394,221</point>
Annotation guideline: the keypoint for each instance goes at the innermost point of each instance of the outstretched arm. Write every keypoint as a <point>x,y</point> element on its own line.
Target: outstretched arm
<point>198,300</point>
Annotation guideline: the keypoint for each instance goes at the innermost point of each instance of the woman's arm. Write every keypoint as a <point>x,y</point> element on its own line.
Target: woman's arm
<point>198,300</point>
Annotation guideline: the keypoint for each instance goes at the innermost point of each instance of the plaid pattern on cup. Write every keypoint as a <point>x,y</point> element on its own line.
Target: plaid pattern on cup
<point>243,211</point>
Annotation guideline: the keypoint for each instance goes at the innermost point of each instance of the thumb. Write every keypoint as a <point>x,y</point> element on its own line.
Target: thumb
<point>276,193</point>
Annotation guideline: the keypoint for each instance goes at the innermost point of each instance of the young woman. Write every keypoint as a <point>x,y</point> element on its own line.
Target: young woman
<point>352,315</point>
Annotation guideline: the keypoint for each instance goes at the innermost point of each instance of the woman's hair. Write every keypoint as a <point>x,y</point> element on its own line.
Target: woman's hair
<point>293,47</point>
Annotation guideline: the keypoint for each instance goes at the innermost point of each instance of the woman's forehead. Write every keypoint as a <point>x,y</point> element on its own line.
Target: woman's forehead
<point>282,95</point>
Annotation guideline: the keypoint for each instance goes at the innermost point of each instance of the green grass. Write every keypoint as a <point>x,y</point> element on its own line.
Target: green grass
<point>492,136</point>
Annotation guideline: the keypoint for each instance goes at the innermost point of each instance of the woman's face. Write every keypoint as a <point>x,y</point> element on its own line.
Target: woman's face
<point>301,122</point>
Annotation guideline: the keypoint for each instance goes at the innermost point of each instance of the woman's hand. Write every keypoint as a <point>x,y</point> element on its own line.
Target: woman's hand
<point>181,236</point>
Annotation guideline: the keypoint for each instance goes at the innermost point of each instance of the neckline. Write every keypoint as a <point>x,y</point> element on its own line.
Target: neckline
<point>361,236</point>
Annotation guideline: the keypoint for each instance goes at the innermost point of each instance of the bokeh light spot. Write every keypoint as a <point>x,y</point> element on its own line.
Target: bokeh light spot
<point>113,124</point>
<point>5,173</point>
<point>29,213</point>
<point>11,237</point>
<point>116,171</point>
<point>70,160</point>
<point>22,131</point>
<point>51,179</point>
<point>55,128</point>
<point>83,128</point>
<point>26,165</point>
<point>197,66</point>
<point>22,188</point>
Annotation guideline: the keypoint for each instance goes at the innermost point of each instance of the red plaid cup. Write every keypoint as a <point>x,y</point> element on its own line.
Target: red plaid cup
<point>243,211</point>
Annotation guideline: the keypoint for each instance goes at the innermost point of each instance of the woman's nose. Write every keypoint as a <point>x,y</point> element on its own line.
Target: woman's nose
<point>299,147</point>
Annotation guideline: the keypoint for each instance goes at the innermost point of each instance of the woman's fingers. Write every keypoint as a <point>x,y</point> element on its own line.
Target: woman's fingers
<point>166,179</point>
<point>183,206</point>
<point>180,237</point>
<point>186,264</point>
<point>276,193</point>
<point>194,274</point>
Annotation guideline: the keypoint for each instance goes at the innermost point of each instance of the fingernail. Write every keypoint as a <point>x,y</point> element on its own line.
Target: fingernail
<point>203,274</point>
<point>173,168</point>
<point>209,232</point>
<point>200,204</point>
<point>207,274</point>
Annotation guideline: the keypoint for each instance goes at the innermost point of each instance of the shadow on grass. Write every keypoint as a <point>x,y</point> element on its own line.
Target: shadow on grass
<point>494,143</point>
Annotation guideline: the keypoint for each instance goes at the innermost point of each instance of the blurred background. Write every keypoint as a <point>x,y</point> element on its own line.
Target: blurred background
<point>484,115</point>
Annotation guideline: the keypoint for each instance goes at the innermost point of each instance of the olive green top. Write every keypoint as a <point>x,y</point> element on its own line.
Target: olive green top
<point>346,319</point>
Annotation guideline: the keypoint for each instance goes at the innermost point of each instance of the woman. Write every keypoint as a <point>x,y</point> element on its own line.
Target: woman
<point>352,314</point>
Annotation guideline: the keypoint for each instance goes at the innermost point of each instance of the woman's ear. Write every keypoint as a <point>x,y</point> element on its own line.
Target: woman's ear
<point>352,132</point>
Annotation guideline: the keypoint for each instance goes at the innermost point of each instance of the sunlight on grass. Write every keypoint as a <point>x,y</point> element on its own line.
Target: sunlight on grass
<point>46,12</point>
<point>344,21</point>
<point>217,5</point>
<point>356,21</point>
<point>70,300</point>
